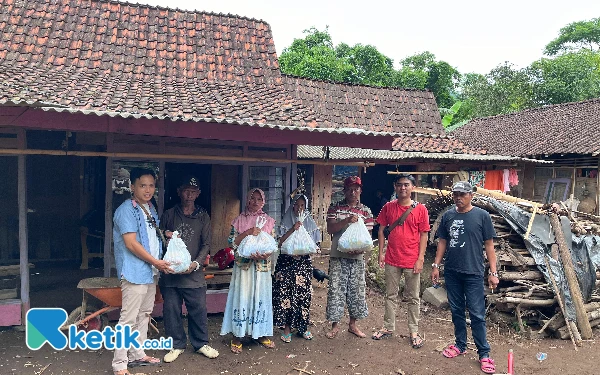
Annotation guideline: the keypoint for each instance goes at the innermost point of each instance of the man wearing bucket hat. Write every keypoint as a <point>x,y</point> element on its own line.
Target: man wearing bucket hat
<point>462,232</point>
<point>347,270</point>
<point>193,224</point>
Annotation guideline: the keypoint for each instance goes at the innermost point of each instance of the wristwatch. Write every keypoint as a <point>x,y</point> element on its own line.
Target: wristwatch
<point>197,265</point>
<point>435,265</point>
<point>495,274</point>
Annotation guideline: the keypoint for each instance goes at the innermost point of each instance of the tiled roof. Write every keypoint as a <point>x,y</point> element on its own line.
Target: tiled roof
<point>570,128</point>
<point>361,154</point>
<point>371,108</point>
<point>434,144</point>
<point>143,60</point>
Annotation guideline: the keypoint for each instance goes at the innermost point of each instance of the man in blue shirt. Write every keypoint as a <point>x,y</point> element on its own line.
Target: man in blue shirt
<point>138,251</point>
<point>462,232</point>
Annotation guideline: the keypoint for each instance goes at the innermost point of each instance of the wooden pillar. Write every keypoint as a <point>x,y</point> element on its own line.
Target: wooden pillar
<point>598,189</point>
<point>322,184</point>
<point>108,215</point>
<point>161,188</point>
<point>23,241</point>
<point>582,321</point>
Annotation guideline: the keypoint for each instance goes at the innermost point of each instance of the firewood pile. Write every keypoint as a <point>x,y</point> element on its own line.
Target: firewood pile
<point>523,290</point>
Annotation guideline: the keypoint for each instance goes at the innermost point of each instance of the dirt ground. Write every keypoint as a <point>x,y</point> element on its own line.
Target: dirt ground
<point>345,354</point>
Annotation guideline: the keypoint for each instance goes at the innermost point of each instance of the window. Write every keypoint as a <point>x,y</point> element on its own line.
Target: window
<point>271,181</point>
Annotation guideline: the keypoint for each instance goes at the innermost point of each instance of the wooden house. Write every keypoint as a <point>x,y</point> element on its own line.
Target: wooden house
<point>566,134</point>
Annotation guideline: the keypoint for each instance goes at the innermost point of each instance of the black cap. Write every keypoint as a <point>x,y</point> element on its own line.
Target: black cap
<point>463,187</point>
<point>190,181</point>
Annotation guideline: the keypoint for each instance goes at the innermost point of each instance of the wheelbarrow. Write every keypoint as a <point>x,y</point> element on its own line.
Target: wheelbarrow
<point>88,317</point>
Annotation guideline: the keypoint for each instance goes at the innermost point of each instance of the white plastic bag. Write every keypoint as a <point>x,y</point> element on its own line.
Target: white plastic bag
<point>177,254</point>
<point>263,243</point>
<point>355,238</point>
<point>299,242</point>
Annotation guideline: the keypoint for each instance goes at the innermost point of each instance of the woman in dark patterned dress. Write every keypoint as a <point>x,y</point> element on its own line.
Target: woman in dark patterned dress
<point>292,284</point>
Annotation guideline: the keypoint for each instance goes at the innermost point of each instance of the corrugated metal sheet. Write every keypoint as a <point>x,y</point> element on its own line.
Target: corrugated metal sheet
<point>347,153</point>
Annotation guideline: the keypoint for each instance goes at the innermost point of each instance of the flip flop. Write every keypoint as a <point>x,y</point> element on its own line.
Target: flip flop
<point>452,351</point>
<point>146,361</point>
<point>487,365</point>
<point>307,335</point>
<point>417,341</point>
<point>267,343</point>
<point>286,338</point>
<point>235,348</point>
<point>382,334</point>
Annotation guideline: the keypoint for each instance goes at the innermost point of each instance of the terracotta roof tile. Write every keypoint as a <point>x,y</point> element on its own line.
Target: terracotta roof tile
<point>369,108</point>
<point>111,56</point>
<point>569,128</point>
<point>434,144</point>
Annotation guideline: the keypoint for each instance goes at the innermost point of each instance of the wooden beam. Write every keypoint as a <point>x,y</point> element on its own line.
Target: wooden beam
<point>23,240</point>
<point>419,173</point>
<point>582,322</point>
<point>127,155</point>
<point>108,214</point>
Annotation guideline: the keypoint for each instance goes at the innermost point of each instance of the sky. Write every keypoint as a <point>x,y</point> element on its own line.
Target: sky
<point>472,36</point>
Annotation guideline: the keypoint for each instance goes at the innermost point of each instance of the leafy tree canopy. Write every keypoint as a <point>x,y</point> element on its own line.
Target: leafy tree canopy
<point>574,36</point>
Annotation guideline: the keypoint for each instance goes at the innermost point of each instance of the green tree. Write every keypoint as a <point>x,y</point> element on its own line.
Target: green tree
<point>440,77</point>
<point>503,90</point>
<point>315,57</point>
<point>569,77</point>
<point>574,36</point>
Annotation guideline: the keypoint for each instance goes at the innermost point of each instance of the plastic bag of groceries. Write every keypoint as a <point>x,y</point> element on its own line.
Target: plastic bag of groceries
<point>262,244</point>
<point>355,238</point>
<point>299,242</point>
<point>177,254</point>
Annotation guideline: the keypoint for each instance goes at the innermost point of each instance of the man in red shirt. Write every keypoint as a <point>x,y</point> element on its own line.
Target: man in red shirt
<point>405,255</point>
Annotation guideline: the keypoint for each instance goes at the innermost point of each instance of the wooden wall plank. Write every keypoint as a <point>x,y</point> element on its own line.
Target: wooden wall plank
<point>321,195</point>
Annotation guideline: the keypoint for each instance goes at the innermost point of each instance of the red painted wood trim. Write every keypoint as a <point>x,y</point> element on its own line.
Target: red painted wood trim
<point>39,119</point>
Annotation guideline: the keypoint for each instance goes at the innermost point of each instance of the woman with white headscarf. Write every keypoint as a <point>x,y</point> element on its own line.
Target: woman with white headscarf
<point>292,284</point>
<point>249,310</point>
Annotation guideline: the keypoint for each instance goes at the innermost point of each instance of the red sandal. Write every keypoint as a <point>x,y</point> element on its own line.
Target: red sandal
<point>487,365</point>
<point>452,351</point>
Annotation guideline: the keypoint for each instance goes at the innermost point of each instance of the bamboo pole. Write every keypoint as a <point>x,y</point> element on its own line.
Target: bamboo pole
<point>424,173</point>
<point>503,197</point>
<point>582,322</point>
<point>559,298</point>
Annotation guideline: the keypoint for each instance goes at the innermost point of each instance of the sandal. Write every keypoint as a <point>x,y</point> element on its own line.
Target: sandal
<point>487,365</point>
<point>122,372</point>
<point>307,335</point>
<point>417,341</point>
<point>286,338</point>
<point>452,351</point>
<point>235,348</point>
<point>382,334</point>
<point>267,343</point>
<point>146,361</point>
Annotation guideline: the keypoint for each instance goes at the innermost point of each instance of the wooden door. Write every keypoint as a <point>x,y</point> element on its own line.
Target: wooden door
<point>225,203</point>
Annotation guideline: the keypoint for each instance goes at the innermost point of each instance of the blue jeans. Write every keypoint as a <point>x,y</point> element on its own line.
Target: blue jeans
<point>467,291</point>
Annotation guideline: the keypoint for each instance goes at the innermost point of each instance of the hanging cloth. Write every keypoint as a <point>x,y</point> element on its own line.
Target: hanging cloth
<point>505,180</point>
<point>477,178</point>
<point>513,177</point>
<point>493,180</point>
